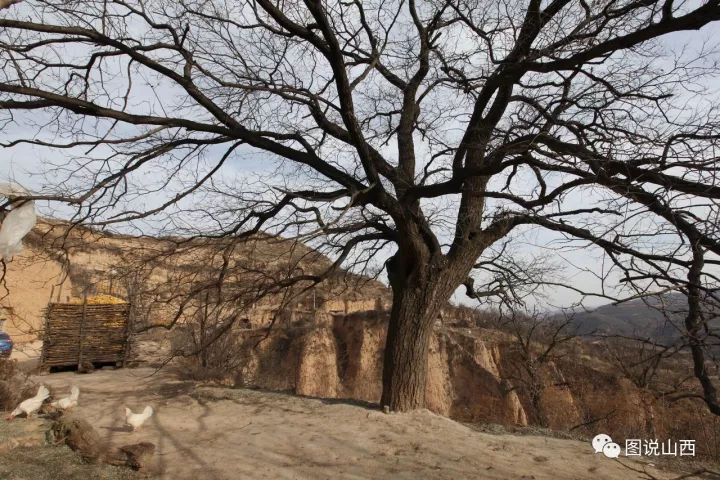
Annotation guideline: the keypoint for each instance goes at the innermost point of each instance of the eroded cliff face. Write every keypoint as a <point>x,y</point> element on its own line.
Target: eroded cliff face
<point>331,345</point>
<point>344,360</point>
<point>471,378</point>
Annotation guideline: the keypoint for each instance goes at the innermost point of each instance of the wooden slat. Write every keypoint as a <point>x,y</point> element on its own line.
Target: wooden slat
<point>104,333</point>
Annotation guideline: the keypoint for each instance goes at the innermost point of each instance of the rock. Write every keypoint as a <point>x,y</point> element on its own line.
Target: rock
<point>85,367</point>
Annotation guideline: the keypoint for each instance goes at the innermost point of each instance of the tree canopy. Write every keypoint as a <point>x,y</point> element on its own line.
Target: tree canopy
<point>436,129</point>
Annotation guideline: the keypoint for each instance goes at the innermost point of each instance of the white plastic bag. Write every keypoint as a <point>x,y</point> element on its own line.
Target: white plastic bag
<point>16,224</point>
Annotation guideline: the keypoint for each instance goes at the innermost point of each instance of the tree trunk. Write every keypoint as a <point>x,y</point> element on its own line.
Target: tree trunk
<point>414,311</point>
<point>406,353</point>
<point>536,392</point>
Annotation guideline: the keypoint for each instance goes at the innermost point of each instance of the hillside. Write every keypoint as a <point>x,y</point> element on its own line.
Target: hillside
<point>219,433</point>
<point>328,342</point>
<point>659,319</point>
<point>475,375</point>
<point>161,276</point>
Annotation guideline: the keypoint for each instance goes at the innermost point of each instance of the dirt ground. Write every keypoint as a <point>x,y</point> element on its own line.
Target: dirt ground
<point>56,463</point>
<point>27,354</point>
<point>218,433</point>
<point>25,455</point>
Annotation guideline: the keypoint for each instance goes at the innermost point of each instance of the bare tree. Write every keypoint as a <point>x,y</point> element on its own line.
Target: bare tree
<point>699,336</point>
<point>435,129</point>
<point>637,360</point>
<point>538,339</point>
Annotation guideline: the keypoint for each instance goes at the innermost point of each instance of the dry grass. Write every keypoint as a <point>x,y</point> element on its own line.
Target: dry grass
<point>498,429</point>
<point>14,385</point>
<point>56,463</point>
<point>37,460</point>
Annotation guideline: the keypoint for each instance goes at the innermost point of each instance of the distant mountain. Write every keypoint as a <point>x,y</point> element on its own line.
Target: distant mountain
<point>660,319</point>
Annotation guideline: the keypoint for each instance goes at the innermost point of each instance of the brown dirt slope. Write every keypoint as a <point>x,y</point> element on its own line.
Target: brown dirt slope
<point>472,378</point>
<point>217,433</point>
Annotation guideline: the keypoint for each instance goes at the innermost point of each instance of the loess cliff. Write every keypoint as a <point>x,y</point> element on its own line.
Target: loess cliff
<point>472,378</point>
<point>328,341</point>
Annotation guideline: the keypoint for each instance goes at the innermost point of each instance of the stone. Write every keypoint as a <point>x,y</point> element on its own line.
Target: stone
<point>85,367</point>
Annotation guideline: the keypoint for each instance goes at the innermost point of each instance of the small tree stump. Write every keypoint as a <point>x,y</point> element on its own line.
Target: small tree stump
<point>136,456</point>
<point>79,435</point>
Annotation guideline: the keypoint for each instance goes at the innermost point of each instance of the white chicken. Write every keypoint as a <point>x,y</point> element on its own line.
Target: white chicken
<point>67,402</point>
<point>31,404</point>
<point>135,420</point>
